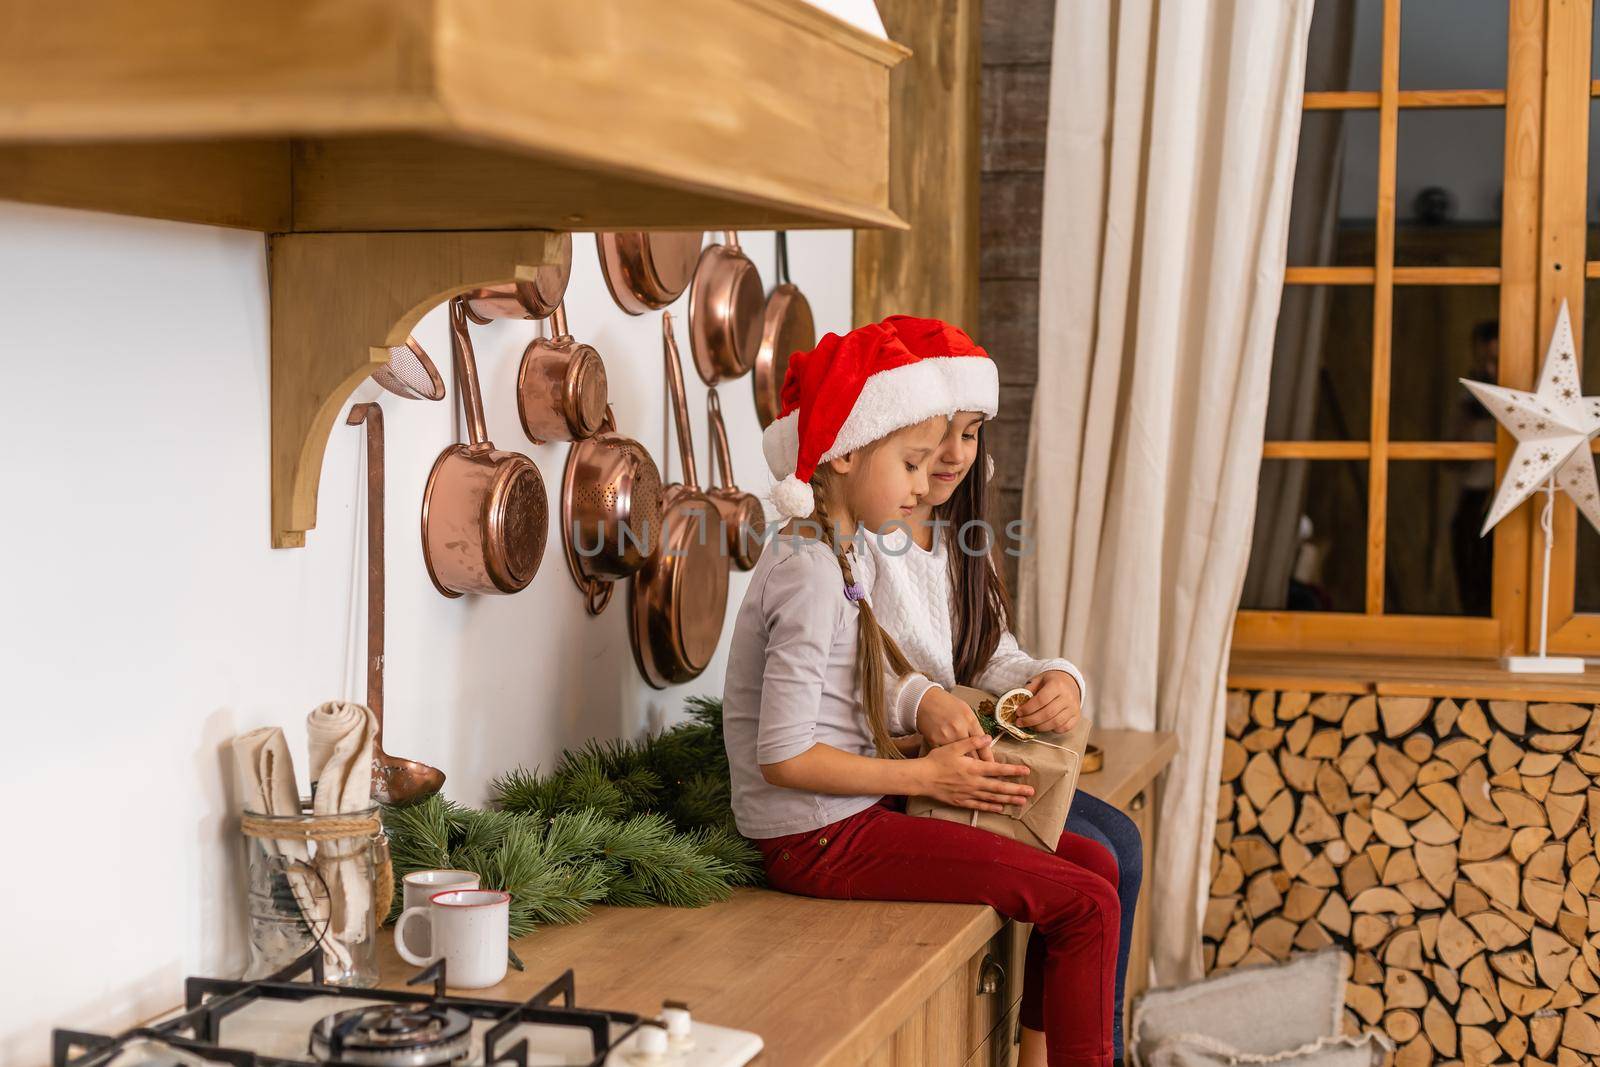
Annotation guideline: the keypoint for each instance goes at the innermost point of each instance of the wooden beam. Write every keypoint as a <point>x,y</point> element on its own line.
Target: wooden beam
<point>242,184</point>
<point>1383,310</point>
<point>932,268</point>
<point>772,108</point>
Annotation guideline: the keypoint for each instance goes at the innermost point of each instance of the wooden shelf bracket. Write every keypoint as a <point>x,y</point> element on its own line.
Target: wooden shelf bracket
<point>339,302</point>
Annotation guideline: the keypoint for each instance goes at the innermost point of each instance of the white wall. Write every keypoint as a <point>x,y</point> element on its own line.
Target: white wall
<point>147,621</point>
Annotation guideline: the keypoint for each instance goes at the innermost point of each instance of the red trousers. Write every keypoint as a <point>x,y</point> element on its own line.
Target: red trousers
<point>1070,897</point>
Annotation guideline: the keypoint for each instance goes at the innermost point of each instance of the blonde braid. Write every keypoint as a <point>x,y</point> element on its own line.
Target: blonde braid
<point>873,645</point>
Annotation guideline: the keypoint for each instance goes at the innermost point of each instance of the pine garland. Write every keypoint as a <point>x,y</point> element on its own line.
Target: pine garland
<point>624,823</point>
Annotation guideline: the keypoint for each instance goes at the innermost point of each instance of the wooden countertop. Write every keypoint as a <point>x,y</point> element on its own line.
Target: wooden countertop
<point>824,982</point>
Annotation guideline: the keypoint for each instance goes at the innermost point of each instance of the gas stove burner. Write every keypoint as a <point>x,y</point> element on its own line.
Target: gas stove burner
<point>394,1035</point>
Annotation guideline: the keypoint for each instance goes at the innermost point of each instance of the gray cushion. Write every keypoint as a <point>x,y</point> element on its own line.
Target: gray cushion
<point>1368,1050</point>
<point>1255,1011</point>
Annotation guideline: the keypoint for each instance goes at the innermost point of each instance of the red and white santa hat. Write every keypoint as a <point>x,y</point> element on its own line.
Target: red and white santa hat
<point>924,367</point>
<point>974,382</point>
<point>853,390</point>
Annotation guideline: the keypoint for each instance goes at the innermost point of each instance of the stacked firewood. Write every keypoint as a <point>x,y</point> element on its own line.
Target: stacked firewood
<point>1448,846</point>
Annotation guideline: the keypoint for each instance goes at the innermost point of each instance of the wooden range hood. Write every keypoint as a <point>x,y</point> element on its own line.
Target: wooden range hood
<point>397,152</point>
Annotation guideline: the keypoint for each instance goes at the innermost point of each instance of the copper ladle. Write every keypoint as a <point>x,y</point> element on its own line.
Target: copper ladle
<point>394,780</point>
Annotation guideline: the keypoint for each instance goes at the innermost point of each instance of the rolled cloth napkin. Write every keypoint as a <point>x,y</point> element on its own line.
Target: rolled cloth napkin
<point>340,737</point>
<point>267,786</point>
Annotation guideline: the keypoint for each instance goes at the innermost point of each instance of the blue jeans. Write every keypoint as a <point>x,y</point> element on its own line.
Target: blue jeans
<point>1093,818</point>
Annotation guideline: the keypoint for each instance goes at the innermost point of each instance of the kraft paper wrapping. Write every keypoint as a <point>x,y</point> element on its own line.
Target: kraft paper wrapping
<point>1053,773</point>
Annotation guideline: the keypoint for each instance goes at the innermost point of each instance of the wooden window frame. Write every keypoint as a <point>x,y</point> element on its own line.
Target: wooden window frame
<point>1543,239</point>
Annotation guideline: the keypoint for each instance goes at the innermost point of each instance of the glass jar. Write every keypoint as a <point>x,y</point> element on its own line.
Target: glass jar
<point>315,880</point>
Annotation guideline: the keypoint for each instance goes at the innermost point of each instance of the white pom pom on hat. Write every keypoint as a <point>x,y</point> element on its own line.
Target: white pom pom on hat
<point>793,498</point>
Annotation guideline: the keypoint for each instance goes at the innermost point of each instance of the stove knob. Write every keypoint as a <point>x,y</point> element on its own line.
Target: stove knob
<point>679,1023</point>
<point>649,1045</point>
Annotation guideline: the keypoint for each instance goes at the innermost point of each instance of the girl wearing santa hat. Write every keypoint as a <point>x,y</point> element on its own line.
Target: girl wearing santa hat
<point>807,723</point>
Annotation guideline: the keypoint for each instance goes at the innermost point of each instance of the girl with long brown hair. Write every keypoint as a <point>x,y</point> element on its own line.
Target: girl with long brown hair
<point>813,752</point>
<point>939,594</point>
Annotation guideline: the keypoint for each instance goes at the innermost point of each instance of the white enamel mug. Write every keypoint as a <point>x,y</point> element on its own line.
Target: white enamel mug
<point>419,888</point>
<point>470,933</point>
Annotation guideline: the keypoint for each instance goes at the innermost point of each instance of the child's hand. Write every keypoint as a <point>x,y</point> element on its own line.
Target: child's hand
<point>952,774</point>
<point>1056,704</point>
<point>943,718</point>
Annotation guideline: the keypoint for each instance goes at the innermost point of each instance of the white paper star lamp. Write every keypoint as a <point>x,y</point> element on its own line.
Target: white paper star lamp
<point>1552,425</point>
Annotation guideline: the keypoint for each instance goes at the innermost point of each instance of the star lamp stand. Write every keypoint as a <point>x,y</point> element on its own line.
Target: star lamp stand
<point>1544,663</point>
<point>1553,426</point>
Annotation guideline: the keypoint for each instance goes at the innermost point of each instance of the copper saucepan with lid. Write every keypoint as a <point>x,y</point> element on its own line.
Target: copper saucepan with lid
<point>725,307</point>
<point>744,523</point>
<point>787,327</point>
<point>610,511</point>
<point>561,386</point>
<point>524,300</point>
<point>484,510</point>
<point>678,599</point>
<point>647,270</point>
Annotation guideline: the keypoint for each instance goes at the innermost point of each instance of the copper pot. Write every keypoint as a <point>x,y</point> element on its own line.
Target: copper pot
<point>786,328</point>
<point>524,300</point>
<point>744,523</point>
<point>561,387</point>
<point>725,304</point>
<point>679,597</point>
<point>484,511</point>
<point>610,511</point>
<point>646,271</point>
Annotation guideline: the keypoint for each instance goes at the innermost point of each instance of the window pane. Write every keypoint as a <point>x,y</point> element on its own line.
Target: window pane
<point>1309,552</point>
<point>1449,177</point>
<point>1436,563</point>
<point>1346,45</point>
<point>1592,202</point>
<point>1442,333</point>
<point>1335,190</point>
<point>1453,44</point>
<point>1321,385</point>
<point>1587,599</point>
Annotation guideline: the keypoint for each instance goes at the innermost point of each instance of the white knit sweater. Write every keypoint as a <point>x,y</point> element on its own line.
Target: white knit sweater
<point>911,595</point>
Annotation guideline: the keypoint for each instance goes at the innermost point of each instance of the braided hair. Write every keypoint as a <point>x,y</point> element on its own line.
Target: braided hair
<point>873,644</point>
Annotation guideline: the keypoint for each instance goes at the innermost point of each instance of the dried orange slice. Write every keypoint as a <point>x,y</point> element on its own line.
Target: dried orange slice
<point>1006,709</point>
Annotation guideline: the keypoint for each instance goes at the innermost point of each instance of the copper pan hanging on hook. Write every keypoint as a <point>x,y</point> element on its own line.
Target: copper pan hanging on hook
<point>744,523</point>
<point>484,511</point>
<point>725,305</point>
<point>647,270</point>
<point>610,511</point>
<point>679,598</point>
<point>787,327</point>
<point>561,386</point>
<point>535,299</point>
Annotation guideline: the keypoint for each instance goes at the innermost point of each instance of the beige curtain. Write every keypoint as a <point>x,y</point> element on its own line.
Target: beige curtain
<point>1168,173</point>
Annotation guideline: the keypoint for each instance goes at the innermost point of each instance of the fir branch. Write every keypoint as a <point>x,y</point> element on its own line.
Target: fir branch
<point>629,823</point>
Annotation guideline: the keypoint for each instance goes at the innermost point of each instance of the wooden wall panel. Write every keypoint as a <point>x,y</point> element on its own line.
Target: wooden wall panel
<point>931,268</point>
<point>1016,86</point>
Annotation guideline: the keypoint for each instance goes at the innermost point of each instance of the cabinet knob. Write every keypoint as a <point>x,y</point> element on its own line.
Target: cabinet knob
<point>991,976</point>
<point>1137,803</point>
